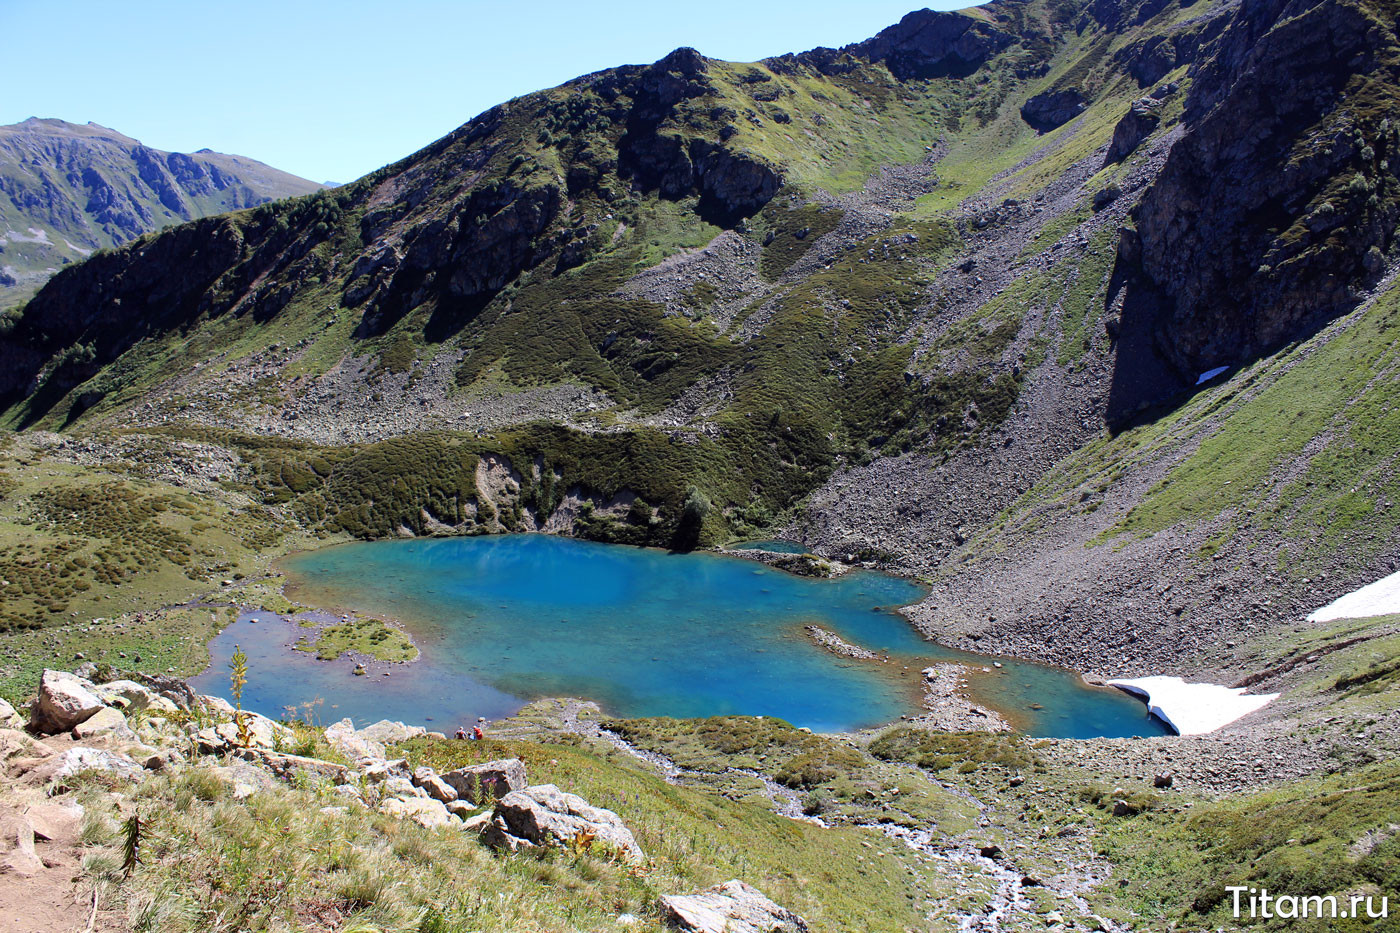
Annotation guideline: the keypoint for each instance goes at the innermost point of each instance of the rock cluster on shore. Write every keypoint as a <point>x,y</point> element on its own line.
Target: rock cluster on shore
<point>78,725</point>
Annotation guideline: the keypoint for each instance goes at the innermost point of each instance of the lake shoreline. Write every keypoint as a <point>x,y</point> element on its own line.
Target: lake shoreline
<point>975,699</point>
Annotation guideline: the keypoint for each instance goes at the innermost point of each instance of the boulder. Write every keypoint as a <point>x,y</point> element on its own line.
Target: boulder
<point>343,737</point>
<point>491,780</point>
<point>53,821</point>
<point>544,816</point>
<point>262,733</point>
<point>10,717</point>
<point>106,721</point>
<point>83,758</point>
<point>64,701</point>
<point>387,732</point>
<point>17,855</point>
<point>244,780</point>
<point>474,822</point>
<point>380,771</point>
<point>436,787</point>
<point>732,907</point>
<point>464,810</point>
<point>17,745</point>
<point>422,810</point>
<point>287,766</point>
<point>215,705</point>
<point>172,689</point>
<point>403,787</point>
<point>130,696</point>
<point>1053,108</point>
<point>351,793</point>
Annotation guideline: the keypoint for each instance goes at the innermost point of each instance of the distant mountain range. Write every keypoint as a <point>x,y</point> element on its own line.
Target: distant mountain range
<point>68,190</point>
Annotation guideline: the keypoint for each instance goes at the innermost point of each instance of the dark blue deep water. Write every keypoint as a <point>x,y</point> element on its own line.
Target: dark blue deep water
<point>504,619</point>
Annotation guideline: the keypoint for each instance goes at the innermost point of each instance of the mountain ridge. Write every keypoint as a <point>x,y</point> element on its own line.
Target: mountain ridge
<point>70,189</point>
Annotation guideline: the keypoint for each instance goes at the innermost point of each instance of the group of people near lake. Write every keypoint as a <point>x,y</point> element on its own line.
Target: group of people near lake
<point>476,732</point>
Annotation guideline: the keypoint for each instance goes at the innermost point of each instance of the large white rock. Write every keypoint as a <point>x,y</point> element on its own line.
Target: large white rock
<point>1193,709</point>
<point>422,810</point>
<point>436,787</point>
<point>732,907</point>
<point>262,732</point>
<point>1381,598</point>
<point>487,781</point>
<point>106,721</point>
<point>216,705</point>
<point>82,758</point>
<point>130,696</point>
<point>343,737</point>
<point>546,816</point>
<point>64,701</point>
<point>388,732</point>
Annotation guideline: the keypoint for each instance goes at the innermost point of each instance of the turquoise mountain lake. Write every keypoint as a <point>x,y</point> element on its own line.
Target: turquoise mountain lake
<point>504,619</point>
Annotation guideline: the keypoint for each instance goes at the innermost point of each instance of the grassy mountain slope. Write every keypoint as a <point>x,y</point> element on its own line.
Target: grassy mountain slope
<point>71,190</point>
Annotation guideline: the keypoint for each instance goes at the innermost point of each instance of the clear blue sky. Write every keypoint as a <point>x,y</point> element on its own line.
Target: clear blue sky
<point>333,90</point>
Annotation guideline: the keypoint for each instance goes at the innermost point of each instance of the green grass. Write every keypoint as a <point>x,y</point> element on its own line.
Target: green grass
<point>208,855</point>
<point>369,637</point>
<point>1328,388</point>
<point>1306,838</point>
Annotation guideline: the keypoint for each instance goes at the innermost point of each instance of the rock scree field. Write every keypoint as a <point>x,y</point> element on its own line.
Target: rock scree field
<point>1072,326</point>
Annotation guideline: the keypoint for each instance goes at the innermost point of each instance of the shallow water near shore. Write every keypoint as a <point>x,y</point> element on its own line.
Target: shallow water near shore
<point>504,619</point>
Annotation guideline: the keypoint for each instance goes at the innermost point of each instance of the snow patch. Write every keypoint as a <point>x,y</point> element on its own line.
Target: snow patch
<point>1193,709</point>
<point>1381,598</point>
<point>1210,374</point>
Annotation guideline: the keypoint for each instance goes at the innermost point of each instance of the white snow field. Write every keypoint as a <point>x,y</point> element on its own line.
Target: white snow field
<point>1381,598</point>
<point>1193,709</point>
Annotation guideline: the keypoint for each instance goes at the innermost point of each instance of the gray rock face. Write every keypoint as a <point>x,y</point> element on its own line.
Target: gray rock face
<point>1053,108</point>
<point>1258,227</point>
<point>546,816</point>
<point>1137,124</point>
<point>64,701</point>
<point>732,907</point>
<point>927,44</point>
<point>491,780</point>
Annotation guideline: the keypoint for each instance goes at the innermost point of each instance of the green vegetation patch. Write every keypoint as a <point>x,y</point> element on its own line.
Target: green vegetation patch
<point>373,638</point>
<point>837,878</point>
<point>1337,388</point>
<point>1326,837</point>
<point>836,778</point>
<point>789,231</point>
<point>967,751</point>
